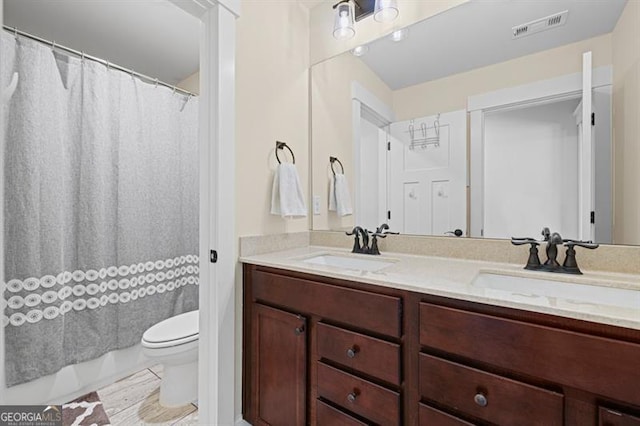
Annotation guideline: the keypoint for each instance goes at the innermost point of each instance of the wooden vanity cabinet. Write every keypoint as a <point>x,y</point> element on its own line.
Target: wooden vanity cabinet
<point>611,417</point>
<point>347,362</point>
<point>323,351</point>
<point>500,366</point>
<point>280,366</point>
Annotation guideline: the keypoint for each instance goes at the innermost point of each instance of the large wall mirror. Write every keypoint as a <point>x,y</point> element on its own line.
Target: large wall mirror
<point>493,119</point>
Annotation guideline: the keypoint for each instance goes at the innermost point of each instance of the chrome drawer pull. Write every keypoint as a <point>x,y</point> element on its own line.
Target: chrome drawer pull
<point>481,400</point>
<point>351,352</point>
<point>352,396</point>
<point>299,330</point>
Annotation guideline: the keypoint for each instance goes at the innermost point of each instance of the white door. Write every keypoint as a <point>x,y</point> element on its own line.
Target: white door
<point>586,166</point>
<point>427,174</point>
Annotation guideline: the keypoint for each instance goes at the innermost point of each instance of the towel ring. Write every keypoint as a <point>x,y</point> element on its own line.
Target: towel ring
<point>282,145</point>
<point>332,160</point>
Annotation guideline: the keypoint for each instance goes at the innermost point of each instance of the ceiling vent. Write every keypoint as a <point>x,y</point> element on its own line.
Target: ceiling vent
<point>539,25</point>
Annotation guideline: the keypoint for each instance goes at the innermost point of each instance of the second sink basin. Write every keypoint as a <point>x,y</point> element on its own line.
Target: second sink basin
<point>349,262</point>
<point>556,293</point>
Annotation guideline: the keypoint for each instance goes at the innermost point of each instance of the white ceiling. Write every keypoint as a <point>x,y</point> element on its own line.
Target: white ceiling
<point>312,3</point>
<point>478,33</point>
<point>153,37</point>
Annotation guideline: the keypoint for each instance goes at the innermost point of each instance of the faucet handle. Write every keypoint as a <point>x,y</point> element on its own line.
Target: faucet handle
<point>570,265</point>
<point>584,244</point>
<point>357,248</point>
<point>533,262</point>
<point>520,241</point>
<point>354,231</point>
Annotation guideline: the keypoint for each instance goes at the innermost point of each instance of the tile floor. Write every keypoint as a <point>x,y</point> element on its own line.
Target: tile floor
<point>134,401</point>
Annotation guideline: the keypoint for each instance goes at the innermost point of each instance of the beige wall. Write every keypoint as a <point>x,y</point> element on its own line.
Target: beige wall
<point>191,83</point>
<point>451,93</point>
<point>626,125</point>
<point>332,129</point>
<point>272,98</point>
<point>324,46</point>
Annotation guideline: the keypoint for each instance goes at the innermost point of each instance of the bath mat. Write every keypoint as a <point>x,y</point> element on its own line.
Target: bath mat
<point>85,411</point>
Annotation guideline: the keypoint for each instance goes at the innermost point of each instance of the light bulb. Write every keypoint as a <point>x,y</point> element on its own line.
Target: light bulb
<point>399,35</point>
<point>343,25</point>
<point>360,50</point>
<point>386,10</point>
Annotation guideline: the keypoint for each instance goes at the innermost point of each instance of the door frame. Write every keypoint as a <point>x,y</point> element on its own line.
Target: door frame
<point>216,355</point>
<point>544,91</point>
<point>216,389</point>
<point>360,95</point>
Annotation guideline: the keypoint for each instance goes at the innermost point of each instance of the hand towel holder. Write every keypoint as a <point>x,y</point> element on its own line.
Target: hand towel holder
<point>282,145</point>
<point>332,160</point>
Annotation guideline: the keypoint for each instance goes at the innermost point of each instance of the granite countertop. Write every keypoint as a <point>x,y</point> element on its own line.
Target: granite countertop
<point>607,298</point>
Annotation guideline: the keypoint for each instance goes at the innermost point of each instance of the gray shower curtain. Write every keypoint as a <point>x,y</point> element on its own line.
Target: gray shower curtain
<point>101,209</point>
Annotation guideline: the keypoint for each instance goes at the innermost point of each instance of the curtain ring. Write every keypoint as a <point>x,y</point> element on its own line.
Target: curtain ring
<point>82,57</point>
<point>53,45</point>
<point>157,81</point>
<point>15,32</point>
<point>174,90</point>
<point>108,65</point>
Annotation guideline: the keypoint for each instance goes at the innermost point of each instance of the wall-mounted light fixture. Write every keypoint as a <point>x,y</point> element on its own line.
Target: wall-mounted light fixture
<point>386,10</point>
<point>347,12</point>
<point>344,21</point>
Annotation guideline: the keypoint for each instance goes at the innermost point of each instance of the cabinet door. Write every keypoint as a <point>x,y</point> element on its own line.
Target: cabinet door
<point>616,418</point>
<point>279,366</point>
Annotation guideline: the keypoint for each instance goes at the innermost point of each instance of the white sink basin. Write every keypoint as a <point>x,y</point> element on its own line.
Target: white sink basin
<point>349,262</point>
<point>555,293</point>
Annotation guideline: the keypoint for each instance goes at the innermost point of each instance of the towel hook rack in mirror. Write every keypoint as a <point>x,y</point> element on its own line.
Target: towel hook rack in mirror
<point>282,145</point>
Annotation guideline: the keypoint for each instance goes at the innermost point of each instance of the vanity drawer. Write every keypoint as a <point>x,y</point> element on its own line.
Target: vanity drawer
<point>599,365</point>
<point>362,353</point>
<point>609,417</point>
<point>361,309</point>
<point>327,415</point>
<point>430,416</point>
<point>371,401</point>
<point>487,396</point>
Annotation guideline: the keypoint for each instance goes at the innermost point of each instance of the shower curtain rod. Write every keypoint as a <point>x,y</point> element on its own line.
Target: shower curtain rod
<point>55,45</point>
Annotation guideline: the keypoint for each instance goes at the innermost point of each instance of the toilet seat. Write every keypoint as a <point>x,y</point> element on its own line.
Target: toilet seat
<point>174,331</point>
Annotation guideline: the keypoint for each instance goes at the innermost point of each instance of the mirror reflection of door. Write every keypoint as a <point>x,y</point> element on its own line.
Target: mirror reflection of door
<point>538,165</point>
<point>427,174</point>
<point>371,182</point>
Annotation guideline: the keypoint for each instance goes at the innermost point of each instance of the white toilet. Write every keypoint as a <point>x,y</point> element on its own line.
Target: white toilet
<point>174,343</point>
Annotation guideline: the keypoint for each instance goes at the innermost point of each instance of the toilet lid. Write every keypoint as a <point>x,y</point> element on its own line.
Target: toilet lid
<point>182,328</point>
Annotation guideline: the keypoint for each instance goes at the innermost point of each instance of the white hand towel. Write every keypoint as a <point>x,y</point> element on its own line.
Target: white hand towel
<point>286,196</point>
<point>339,196</point>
